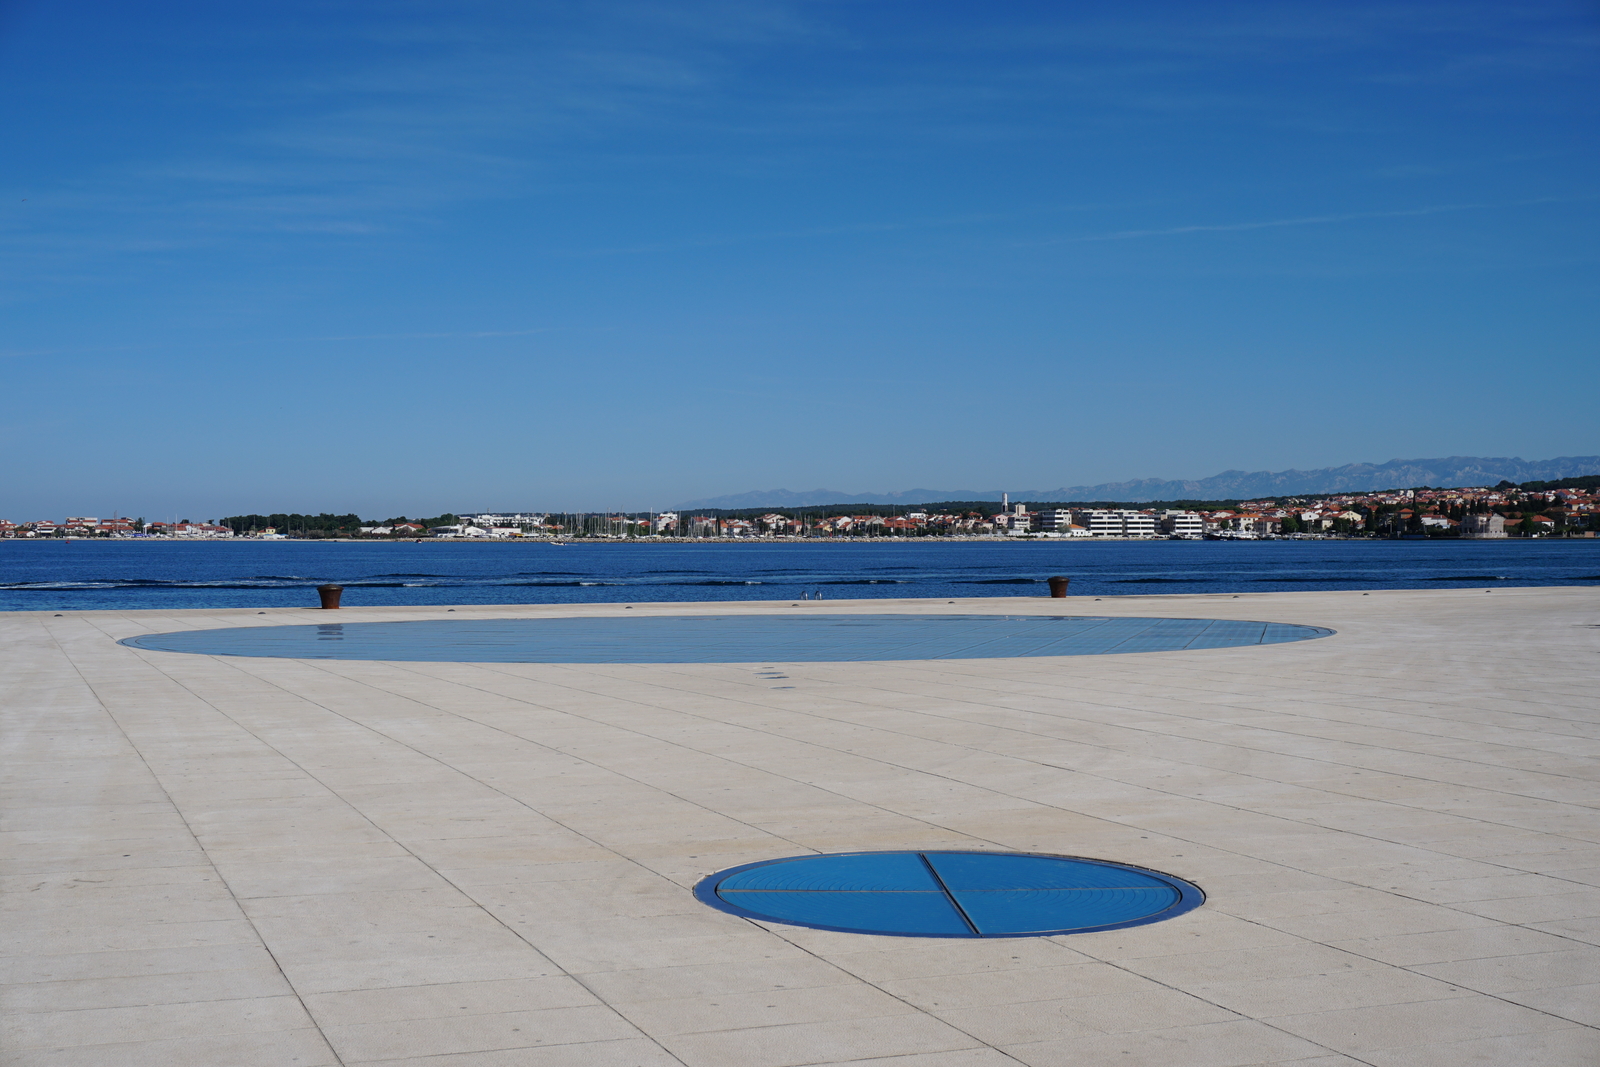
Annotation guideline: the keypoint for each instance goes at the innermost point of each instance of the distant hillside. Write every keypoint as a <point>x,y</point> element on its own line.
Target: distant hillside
<point>1245,485</point>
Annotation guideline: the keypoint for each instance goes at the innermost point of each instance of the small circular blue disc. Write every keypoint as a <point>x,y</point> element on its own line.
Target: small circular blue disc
<point>949,894</point>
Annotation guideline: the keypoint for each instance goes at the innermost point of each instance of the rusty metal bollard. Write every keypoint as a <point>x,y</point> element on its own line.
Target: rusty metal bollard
<point>1058,586</point>
<point>330,595</point>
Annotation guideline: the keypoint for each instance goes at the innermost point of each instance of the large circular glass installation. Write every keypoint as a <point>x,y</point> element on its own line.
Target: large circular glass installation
<point>797,638</point>
<point>949,894</point>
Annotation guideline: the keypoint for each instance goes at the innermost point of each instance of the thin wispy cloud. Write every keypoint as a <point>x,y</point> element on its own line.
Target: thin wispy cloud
<point>1262,224</point>
<point>841,230</point>
<point>238,342</point>
<point>1310,220</point>
<point>1114,235</point>
<point>458,336</point>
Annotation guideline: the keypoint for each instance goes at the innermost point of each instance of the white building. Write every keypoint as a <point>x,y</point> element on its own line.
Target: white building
<point>517,519</point>
<point>1182,524</point>
<point>1120,524</point>
<point>1490,525</point>
<point>463,530</point>
<point>1103,523</point>
<point>1052,520</point>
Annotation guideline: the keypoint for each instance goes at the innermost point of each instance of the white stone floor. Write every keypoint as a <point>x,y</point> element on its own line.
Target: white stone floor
<point>284,863</point>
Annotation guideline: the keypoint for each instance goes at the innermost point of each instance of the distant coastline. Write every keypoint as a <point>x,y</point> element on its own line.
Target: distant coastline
<point>1563,508</point>
<point>646,542</point>
<point>1232,485</point>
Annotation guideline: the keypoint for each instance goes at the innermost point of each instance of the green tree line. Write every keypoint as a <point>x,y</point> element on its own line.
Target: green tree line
<point>325,524</point>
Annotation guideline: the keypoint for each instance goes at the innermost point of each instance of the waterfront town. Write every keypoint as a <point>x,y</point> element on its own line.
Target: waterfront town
<point>1502,511</point>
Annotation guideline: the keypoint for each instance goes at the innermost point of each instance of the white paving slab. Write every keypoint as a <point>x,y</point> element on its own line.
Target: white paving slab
<point>229,861</point>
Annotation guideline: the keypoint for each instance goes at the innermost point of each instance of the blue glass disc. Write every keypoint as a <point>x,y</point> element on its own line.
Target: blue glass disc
<point>949,894</point>
<point>797,638</point>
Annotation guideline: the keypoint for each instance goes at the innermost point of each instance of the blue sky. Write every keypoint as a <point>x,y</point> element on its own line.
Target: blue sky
<point>401,257</point>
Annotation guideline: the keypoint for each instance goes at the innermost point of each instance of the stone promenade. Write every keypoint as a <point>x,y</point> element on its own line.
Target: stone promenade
<point>231,862</point>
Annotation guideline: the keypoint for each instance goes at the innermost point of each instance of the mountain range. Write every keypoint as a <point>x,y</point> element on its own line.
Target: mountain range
<point>1449,471</point>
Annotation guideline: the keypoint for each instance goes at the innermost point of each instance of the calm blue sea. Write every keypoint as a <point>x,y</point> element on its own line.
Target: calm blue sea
<point>59,575</point>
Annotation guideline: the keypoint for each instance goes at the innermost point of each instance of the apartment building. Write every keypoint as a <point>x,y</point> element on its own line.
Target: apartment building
<point>1182,524</point>
<point>1052,520</point>
<point>518,520</point>
<point>1118,523</point>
